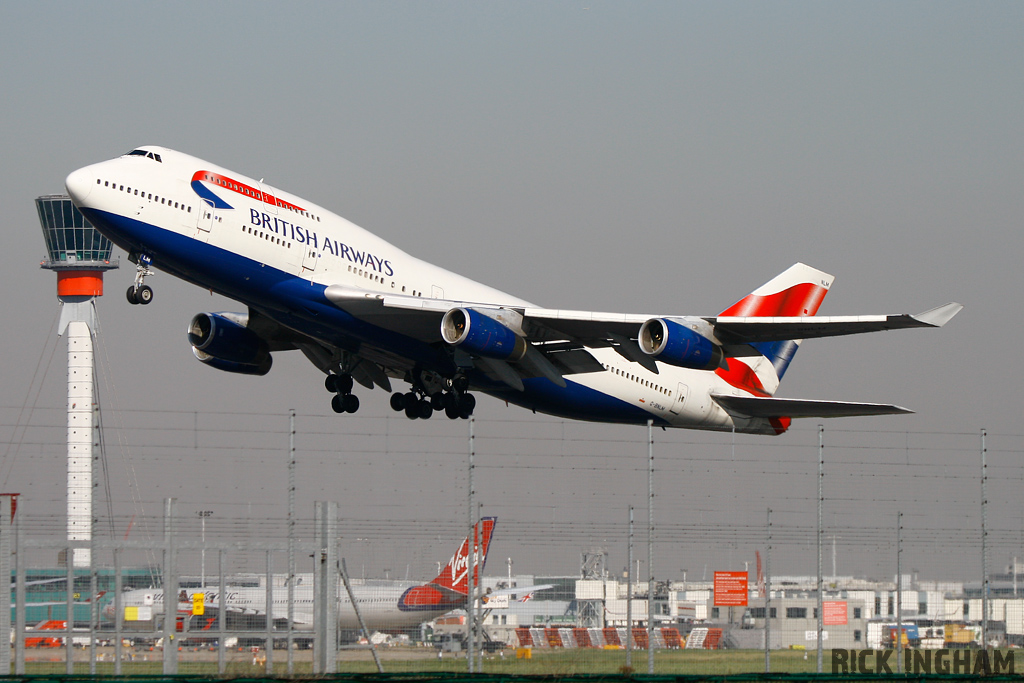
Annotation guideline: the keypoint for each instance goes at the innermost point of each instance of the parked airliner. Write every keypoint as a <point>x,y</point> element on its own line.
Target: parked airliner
<point>393,605</point>
<point>364,311</point>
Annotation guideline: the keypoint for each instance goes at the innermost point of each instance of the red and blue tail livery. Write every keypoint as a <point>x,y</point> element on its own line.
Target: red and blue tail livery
<point>366,313</point>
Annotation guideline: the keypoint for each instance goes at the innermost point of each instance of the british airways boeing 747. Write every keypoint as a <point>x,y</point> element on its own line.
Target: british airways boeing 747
<point>363,311</point>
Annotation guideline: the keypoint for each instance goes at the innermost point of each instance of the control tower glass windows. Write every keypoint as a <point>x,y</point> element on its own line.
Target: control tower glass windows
<point>68,235</point>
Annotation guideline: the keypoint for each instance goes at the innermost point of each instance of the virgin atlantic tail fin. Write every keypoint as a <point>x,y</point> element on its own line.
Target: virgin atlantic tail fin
<point>470,556</point>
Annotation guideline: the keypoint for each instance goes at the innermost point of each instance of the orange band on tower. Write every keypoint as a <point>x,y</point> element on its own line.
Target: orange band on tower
<point>80,283</point>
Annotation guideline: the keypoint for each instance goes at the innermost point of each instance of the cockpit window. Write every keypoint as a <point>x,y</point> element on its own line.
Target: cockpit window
<point>144,153</point>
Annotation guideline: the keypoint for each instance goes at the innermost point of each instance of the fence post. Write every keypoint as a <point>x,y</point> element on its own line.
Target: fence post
<point>325,588</point>
<point>170,582</point>
<point>19,592</point>
<point>6,531</point>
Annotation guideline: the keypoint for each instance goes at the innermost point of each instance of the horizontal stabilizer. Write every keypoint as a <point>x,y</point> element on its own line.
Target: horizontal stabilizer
<point>734,330</point>
<point>756,406</point>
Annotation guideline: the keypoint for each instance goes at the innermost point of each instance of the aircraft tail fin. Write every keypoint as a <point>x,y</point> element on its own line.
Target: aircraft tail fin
<point>450,588</point>
<point>798,291</point>
<point>470,557</point>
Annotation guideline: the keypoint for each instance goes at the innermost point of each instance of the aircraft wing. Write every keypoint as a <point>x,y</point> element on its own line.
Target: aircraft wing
<point>767,407</point>
<point>521,590</point>
<point>558,338</point>
<point>420,317</point>
<point>500,599</point>
<point>747,329</point>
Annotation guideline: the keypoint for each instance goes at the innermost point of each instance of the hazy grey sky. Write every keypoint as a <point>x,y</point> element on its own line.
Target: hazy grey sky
<point>643,157</point>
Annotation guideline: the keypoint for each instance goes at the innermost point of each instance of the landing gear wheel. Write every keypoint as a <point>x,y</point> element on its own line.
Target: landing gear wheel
<point>452,412</point>
<point>437,401</point>
<point>145,294</point>
<point>338,384</point>
<point>468,402</point>
<point>350,402</point>
<point>426,410</point>
<point>397,402</point>
<point>130,295</point>
<point>412,409</point>
<point>338,403</point>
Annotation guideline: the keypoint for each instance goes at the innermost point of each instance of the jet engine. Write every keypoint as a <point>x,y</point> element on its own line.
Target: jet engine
<point>223,341</point>
<point>481,334</point>
<point>673,342</point>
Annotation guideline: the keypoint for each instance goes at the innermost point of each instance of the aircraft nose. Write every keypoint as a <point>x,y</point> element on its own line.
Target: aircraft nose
<point>79,184</point>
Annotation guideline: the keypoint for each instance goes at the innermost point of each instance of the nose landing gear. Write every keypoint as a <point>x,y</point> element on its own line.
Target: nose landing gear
<point>140,293</point>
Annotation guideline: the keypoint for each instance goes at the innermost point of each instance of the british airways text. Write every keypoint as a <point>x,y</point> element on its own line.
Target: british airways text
<point>334,247</point>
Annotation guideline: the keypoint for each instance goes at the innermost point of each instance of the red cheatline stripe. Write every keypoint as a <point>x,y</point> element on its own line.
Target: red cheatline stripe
<point>243,189</point>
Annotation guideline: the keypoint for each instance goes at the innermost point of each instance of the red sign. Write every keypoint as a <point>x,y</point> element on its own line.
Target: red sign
<point>730,589</point>
<point>834,613</point>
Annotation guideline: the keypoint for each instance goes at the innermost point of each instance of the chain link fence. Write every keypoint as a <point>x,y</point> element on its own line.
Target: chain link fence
<point>247,544</point>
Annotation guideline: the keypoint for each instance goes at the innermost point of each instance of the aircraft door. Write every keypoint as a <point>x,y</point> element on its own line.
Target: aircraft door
<point>309,259</point>
<point>269,201</point>
<point>436,292</point>
<point>679,399</point>
<point>207,216</point>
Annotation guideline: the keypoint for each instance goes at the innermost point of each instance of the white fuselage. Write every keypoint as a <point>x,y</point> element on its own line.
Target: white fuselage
<point>267,248</point>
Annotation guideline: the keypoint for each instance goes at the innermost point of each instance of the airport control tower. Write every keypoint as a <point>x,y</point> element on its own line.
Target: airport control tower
<point>79,254</point>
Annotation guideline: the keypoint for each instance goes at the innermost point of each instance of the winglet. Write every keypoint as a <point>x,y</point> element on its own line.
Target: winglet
<point>939,316</point>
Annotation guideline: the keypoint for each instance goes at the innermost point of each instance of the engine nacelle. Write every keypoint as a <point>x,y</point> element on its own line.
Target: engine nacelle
<point>230,366</point>
<point>224,337</point>
<point>481,334</point>
<point>677,344</point>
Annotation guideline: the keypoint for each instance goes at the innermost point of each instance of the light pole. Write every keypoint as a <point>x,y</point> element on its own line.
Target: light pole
<point>203,514</point>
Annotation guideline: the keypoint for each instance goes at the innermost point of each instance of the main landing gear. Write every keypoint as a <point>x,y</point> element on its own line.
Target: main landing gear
<point>456,402</point>
<point>140,293</point>
<point>344,401</point>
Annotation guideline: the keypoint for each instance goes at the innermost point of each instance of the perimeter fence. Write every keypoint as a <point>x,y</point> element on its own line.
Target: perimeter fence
<point>613,549</point>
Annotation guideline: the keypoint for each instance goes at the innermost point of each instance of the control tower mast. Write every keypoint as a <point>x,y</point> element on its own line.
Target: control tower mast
<point>79,255</point>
